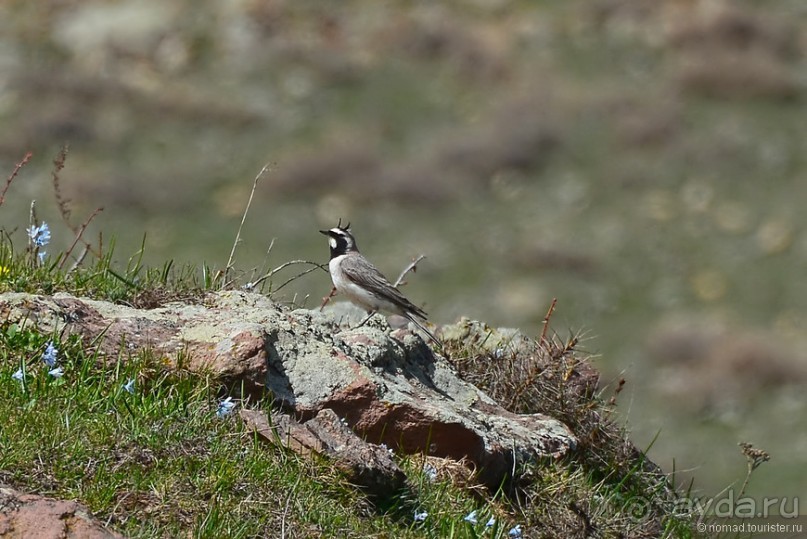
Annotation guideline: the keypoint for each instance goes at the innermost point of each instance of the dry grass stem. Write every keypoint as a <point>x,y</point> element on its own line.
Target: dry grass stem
<point>546,320</point>
<point>10,179</point>
<point>304,272</point>
<point>62,202</point>
<point>231,259</point>
<point>78,238</point>
<point>754,458</point>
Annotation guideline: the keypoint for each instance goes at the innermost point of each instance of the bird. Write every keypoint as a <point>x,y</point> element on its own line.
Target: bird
<point>361,282</point>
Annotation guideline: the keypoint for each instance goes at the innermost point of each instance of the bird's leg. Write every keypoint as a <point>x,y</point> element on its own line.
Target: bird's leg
<point>327,299</point>
<point>370,314</point>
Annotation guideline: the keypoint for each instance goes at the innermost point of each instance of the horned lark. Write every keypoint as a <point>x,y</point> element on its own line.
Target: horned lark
<point>355,277</point>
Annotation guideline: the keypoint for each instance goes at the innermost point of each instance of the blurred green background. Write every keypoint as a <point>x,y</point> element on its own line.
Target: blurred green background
<point>643,162</point>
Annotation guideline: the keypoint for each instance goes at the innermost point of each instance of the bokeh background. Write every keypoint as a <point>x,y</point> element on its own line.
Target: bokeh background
<point>645,163</point>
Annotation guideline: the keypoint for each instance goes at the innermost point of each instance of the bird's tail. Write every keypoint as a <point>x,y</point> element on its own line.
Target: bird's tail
<point>423,328</point>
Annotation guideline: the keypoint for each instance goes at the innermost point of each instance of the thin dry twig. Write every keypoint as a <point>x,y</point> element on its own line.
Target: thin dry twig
<point>283,266</point>
<point>411,267</point>
<point>80,259</point>
<point>61,201</point>
<point>32,222</point>
<point>10,179</point>
<point>304,272</point>
<point>231,259</point>
<point>78,237</point>
<point>64,210</point>
<point>548,316</point>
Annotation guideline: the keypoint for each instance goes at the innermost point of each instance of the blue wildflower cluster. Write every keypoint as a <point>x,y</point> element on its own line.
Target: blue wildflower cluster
<point>472,519</point>
<point>50,358</point>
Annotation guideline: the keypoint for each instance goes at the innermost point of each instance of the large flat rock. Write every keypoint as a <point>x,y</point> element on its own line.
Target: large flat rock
<point>389,386</point>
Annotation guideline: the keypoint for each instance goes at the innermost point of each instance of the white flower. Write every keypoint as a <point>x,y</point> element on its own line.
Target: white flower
<point>471,517</point>
<point>19,375</point>
<point>57,372</point>
<point>420,517</point>
<point>129,386</point>
<point>515,532</point>
<point>225,407</point>
<point>490,522</point>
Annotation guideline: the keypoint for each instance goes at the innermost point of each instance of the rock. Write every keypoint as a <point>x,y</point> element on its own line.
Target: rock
<point>388,386</point>
<point>27,516</point>
<point>367,465</point>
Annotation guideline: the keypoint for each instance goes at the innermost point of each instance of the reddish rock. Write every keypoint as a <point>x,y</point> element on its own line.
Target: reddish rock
<point>367,465</point>
<point>29,516</point>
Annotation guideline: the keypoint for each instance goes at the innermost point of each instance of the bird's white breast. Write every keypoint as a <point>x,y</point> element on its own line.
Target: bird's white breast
<point>354,292</point>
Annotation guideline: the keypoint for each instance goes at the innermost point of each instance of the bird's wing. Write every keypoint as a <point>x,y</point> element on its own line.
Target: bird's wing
<point>359,270</point>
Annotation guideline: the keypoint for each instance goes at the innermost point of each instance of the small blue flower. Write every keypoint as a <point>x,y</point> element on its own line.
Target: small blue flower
<point>49,355</point>
<point>471,517</point>
<point>515,532</point>
<point>57,372</point>
<point>387,449</point>
<point>490,523</point>
<point>430,471</point>
<point>39,235</point>
<point>19,375</point>
<point>129,386</point>
<point>420,517</point>
<point>225,407</point>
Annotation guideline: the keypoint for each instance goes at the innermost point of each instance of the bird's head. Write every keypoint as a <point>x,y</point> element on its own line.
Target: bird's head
<point>340,239</point>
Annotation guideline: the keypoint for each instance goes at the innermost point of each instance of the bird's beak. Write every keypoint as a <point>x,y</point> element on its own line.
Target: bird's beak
<point>326,232</point>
